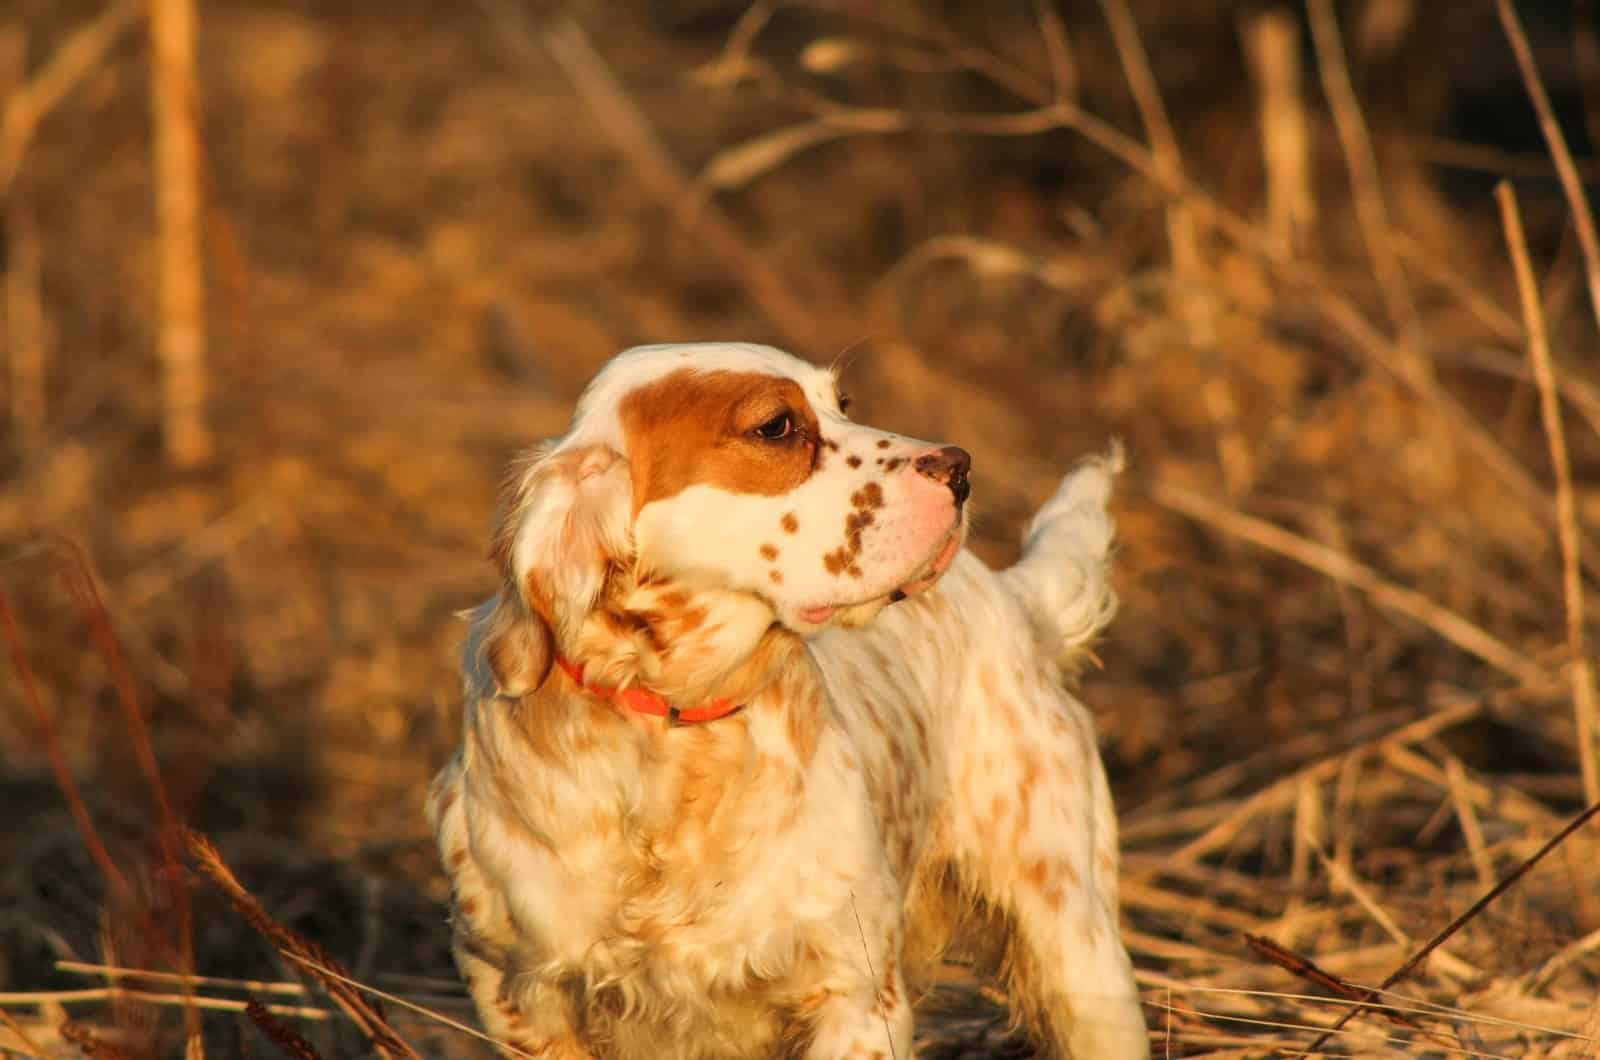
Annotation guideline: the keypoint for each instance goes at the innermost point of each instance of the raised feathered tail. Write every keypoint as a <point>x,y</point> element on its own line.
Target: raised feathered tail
<point>1062,579</point>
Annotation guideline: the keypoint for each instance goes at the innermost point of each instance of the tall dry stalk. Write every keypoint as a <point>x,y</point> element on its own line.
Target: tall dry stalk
<point>1365,187</point>
<point>1272,45</point>
<point>182,330</point>
<point>25,326</point>
<point>1581,671</point>
<point>1560,153</point>
<point>26,331</point>
<point>1163,143</point>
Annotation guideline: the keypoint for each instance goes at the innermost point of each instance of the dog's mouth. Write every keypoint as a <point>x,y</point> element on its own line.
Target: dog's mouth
<point>923,579</point>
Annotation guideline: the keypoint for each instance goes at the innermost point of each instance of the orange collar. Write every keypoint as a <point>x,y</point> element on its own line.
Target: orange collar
<point>643,701</point>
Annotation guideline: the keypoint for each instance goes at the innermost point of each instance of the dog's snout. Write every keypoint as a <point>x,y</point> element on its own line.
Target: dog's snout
<point>949,466</point>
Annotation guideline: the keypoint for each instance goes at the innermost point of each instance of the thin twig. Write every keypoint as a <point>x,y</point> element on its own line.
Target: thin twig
<point>116,972</point>
<point>1163,144</point>
<point>50,738</point>
<point>1366,188</point>
<point>327,973</point>
<point>1449,625</point>
<point>1058,48</point>
<point>82,585</point>
<point>1457,924</point>
<point>1544,374</point>
<point>1461,800</point>
<point>1304,968</point>
<point>1556,141</point>
<point>70,64</point>
<point>866,952</point>
<point>33,998</point>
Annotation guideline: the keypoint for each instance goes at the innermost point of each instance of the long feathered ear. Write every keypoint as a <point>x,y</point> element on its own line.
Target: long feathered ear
<point>567,525</point>
<point>508,651</point>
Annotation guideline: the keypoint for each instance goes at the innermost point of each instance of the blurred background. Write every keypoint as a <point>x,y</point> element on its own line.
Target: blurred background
<point>288,284</point>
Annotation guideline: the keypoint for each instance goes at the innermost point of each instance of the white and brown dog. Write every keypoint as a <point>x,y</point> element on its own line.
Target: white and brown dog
<point>710,802</point>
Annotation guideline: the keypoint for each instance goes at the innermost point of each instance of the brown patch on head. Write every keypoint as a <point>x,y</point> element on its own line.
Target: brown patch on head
<point>700,428</point>
<point>853,460</point>
<point>893,463</point>
<point>790,523</point>
<point>776,576</point>
<point>769,552</point>
<point>883,443</point>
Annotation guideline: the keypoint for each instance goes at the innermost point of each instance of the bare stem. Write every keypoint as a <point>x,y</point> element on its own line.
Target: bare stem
<point>1544,375</point>
<point>182,334</point>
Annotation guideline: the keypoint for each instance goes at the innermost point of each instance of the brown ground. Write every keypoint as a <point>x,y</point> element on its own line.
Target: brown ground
<point>428,224</point>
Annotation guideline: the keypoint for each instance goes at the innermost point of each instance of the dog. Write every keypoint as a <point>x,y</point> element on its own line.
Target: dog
<point>747,731</point>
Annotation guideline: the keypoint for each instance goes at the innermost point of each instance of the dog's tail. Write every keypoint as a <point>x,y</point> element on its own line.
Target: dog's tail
<point>1061,579</point>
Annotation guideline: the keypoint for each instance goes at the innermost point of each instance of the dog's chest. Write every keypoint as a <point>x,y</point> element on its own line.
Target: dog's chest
<point>710,851</point>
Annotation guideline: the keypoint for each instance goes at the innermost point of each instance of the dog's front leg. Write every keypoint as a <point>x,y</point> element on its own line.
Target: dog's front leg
<point>535,1022</point>
<point>870,1020</point>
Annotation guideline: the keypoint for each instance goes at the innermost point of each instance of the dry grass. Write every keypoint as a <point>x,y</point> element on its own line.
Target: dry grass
<point>1348,704</point>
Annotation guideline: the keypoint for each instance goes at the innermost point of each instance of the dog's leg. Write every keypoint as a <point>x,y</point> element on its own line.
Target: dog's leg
<point>541,1028</point>
<point>1035,835</point>
<point>546,1032</point>
<point>871,1021</point>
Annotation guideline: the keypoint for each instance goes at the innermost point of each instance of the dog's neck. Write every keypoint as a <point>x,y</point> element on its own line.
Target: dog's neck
<point>688,646</point>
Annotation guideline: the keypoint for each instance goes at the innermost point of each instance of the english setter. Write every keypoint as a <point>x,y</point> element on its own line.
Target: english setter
<point>717,798</point>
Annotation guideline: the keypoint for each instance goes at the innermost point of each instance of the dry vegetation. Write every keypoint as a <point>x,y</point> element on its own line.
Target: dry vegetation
<point>1349,689</point>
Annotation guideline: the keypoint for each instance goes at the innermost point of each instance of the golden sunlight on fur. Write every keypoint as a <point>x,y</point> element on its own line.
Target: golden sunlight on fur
<point>637,875</point>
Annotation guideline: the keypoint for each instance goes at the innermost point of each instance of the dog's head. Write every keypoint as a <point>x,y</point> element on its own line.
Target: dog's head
<point>718,486</point>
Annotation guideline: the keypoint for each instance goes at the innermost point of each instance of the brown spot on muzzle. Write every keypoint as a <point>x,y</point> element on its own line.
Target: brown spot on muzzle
<point>842,560</point>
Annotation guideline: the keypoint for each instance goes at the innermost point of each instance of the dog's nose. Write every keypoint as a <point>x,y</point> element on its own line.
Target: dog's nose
<point>950,466</point>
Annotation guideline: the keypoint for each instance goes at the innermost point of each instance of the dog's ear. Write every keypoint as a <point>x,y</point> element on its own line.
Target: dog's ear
<point>567,524</point>
<point>508,651</point>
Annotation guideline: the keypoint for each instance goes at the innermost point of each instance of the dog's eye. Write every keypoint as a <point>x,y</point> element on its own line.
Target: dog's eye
<point>780,426</point>
<point>844,402</point>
